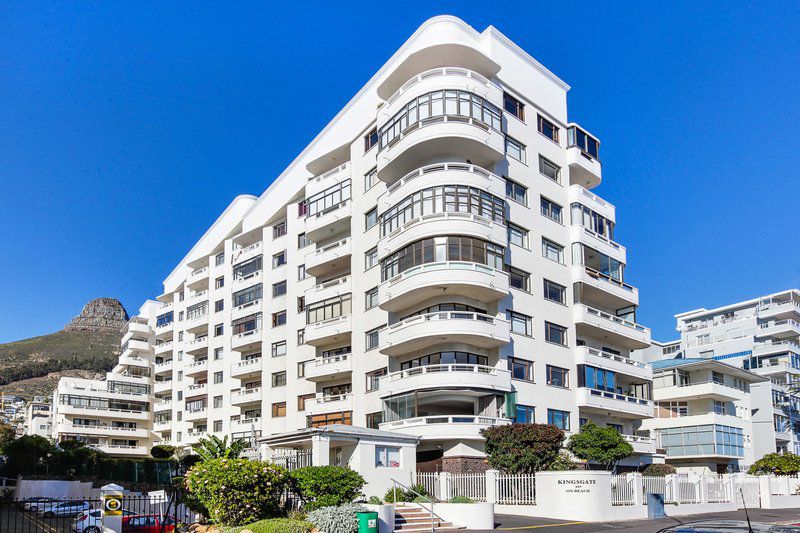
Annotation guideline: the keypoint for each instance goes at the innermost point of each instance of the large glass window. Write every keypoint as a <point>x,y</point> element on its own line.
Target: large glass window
<point>446,358</point>
<point>559,419</point>
<point>245,324</point>
<point>549,169</point>
<point>520,323</point>
<point>588,144</point>
<point>329,199</point>
<point>583,216</point>
<point>165,319</point>
<point>443,199</point>
<point>548,129</point>
<point>524,414</point>
<point>555,333</point>
<point>515,149</point>
<point>326,309</point>
<point>600,262</point>
<point>552,251</point>
<point>597,378</point>
<point>557,376</point>
<point>513,106</point>
<point>550,209</point>
<point>554,292</point>
<point>445,307</point>
<point>517,192</point>
<point>445,248</point>
<point>248,295</point>
<point>428,107</point>
<point>197,310</point>
<point>709,439</point>
<point>520,368</point>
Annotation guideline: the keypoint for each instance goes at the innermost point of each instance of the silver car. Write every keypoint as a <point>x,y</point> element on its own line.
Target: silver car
<point>52,509</point>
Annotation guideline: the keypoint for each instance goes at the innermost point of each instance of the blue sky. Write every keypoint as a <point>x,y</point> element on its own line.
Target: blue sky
<point>127,127</point>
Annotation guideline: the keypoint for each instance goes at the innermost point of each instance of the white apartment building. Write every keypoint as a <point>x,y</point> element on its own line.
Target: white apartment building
<point>433,263</point>
<point>703,414</point>
<point>38,418</point>
<point>113,415</point>
<point>759,335</point>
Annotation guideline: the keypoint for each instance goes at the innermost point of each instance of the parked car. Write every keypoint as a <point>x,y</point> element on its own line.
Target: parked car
<point>33,504</point>
<point>91,521</point>
<point>729,526</point>
<point>73,508</point>
<point>149,523</point>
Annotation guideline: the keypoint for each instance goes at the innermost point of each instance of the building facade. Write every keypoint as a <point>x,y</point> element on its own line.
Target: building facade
<point>38,417</point>
<point>758,335</point>
<point>434,263</point>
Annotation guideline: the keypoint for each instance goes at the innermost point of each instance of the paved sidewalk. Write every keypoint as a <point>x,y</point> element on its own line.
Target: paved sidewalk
<point>524,523</point>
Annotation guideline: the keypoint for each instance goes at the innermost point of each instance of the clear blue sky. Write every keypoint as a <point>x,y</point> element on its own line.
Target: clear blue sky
<point>127,127</point>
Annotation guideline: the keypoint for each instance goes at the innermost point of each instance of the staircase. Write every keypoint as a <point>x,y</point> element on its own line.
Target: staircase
<point>410,518</point>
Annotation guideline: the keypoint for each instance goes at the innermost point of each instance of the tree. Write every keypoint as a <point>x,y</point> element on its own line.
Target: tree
<point>602,445</point>
<point>214,447</point>
<point>7,435</point>
<point>27,454</point>
<point>659,470</point>
<point>522,448</point>
<point>780,464</point>
<point>162,451</point>
<point>321,486</point>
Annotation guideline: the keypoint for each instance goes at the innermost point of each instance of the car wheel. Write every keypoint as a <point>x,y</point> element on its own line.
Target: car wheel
<point>92,529</point>
<point>49,514</point>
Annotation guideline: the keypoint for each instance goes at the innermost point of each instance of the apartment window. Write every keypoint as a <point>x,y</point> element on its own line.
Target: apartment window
<point>219,305</point>
<point>555,333</point>
<point>549,169</point>
<point>559,419</point>
<point>301,368</point>
<point>520,368</point>
<point>515,149</point>
<point>165,319</point>
<point>520,323</point>
<point>370,179</point>
<point>180,319</point>
<point>327,309</point>
<point>278,409</point>
<point>557,376</point>
<point>371,298</point>
<point>301,304</point>
<point>370,258</point>
<point>446,358</point>
<point>279,379</point>
<point>302,399</point>
<point>278,349</point>
<point>302,208</point>
<point>370,139</point>
<point>249,295</point>
<point>374,377</point>
<point>517,235</point>
<point>517,192</point>
<point>519,279</point>
<point>303,240</point>
<point>217,402</point>
<point>374,420</point>
<point>552,251</point>
<point>551,209</point>
<point>387,456</point>
<point>442,248</point>
<point>301,272</point>
<point>587,144</point>
<point>524,414</point>
<point>301,337</point>
<point>330,199</point>
<point>279,289</point>
<point>278,319</point>
<point>217,377</point>
<point>548,129</point>
<point>217,426</point>
<point>217,354</point>
<point>372,338</point>
<point>279,229</point>
<point>513,106</point>
<point>554,292</point>
<point>247,269</point>
<point>371,218</point>
<point>219,259</point>
<point>197,311</point>
<point>279,259</point>
<point>219,282</point>
<point>246,324</point>
<point>592,221</point>
<point>719,407</point>
<point>717,378</point>
<point>219,330</point>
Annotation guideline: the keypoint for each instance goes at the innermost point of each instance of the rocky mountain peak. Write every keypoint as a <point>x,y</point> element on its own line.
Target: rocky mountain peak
<point>100,315</point>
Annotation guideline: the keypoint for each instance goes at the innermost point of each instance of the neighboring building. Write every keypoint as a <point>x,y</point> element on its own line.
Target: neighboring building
<point>702,419</point>
<point>760,335</point>
<point>113,415</point>
<point>38,420</point>
<point>432,264</point>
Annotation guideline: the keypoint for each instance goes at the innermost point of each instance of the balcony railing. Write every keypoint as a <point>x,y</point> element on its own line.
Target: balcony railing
<point>441,167</point>
<point>616,357</point>
<point>436,369</point>
<point>320,399</point>
<point>444,315</point>
<point>608,279</point>
<point>615,319</point>
<point>776,323</point>
<point>323,361</point>
<point>620,397</point>
<point>447,419</point>
<point>436,73</point>
<point>587,144</point>
<point>199,272</point>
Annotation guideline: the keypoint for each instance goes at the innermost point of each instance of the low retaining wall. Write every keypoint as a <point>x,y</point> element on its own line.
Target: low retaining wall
<point>58,489</point>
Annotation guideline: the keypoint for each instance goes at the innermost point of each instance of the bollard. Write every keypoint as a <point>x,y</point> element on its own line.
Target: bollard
<point>111,510</point>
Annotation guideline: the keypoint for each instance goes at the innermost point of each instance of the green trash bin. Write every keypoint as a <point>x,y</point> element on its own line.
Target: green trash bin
<point>367,522</point>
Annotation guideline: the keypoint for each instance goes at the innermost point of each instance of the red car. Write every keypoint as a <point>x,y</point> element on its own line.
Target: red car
<point>148,523</point>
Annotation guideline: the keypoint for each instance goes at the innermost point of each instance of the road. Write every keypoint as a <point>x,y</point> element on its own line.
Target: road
<point>523,523</point>
<point>15,520</point>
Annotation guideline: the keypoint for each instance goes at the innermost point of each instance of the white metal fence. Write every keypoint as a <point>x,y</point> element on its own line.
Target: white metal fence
<point>515,489</point>
<point>472,486</point>
<point>429,480</point>
<point>623,490</point>
<point>784,485</point>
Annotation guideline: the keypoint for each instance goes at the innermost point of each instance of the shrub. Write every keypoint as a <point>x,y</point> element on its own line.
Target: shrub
<point>237,491</point>
<point>375,500</point>
<point>323,486</point>
<point>658,470</point>
<point>780,464</point>
<point>460,499</point>
<point>339,519</point>
<point>421,499</point>
<point>162,451</point>
<point>602,445</point>
<point>405,495</point>
<point>522,448</point>
<point>275,525</point>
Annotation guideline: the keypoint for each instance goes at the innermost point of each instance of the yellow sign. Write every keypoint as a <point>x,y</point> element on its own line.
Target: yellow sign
<point>112,505</point>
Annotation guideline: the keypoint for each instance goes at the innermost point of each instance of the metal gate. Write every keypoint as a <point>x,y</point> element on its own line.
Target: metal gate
<point>748,491</point>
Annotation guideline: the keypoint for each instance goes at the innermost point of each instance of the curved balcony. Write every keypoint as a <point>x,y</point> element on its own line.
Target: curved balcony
<point>584,355</point>
<point>329,404</point>
<point>461,278</point>
<point>328,331</point>
<point>331,221</point>
<point>447,376</point>
<point>699,390</point>
<point>456,136</point>
<point>197,345</point>
<point>246,396</point>
<point>424,331</point>
<point>455,427</point>
<point>328,368</point>
<point>328,258</point>
<point>779,310</point>
<point>136,328</point>
<point>602,325</point>
<point>440,174</point>
<point>603,289</point>
<point>248,368</point>
<point>248,340</point>
<point>434,224</point>
<point>329,289</point>
<point>197,279</point>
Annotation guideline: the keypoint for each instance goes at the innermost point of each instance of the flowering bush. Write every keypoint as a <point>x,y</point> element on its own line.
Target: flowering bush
<point>237,491</point>
<point>322,486</point>
<point>340,519</point>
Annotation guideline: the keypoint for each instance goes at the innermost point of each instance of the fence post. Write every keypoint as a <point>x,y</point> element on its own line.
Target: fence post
<point>444,486</point>
<point>702,489</point>
<point>637,481</point>
<point>111,512</point>
<point>491,486</point>
<point>765,492</point>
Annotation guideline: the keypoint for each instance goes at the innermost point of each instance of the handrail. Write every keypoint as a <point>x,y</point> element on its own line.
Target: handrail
<point>444,265</point>
<point>331,246</point>
<point>446,215</point>
<point>592,196</point>
<point>774,323</point>
<point>615,357</point>
<point>395,483</point>
<point>435,73</point>
<point>331,172</point>
<point>608,279</point>
<point>613,318</point>
<point>441,167</point>
<point>330,283</point>
<point>447,315</point>
<point>322,361</point>
<point>446,367</point>
<point>705,381</point>
<point>596,235</point>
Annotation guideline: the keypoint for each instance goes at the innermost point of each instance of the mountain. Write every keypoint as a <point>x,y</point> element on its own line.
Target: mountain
<point>88,345</point>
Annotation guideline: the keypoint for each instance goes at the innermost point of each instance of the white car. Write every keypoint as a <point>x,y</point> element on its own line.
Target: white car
<point>33,504</point>
<point>51,509</point>
<point>91,521</point>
